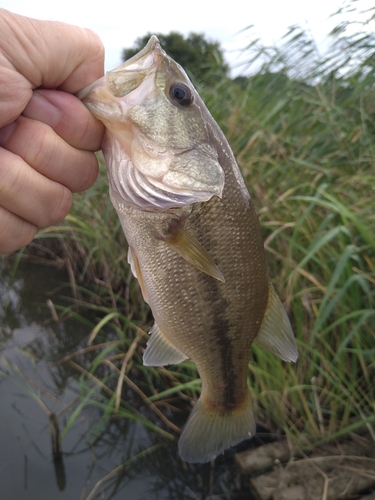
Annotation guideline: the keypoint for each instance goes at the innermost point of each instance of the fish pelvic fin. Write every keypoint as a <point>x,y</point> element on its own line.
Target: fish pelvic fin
<point>276,334</point>
<point>208,433</point>
<point>136,270</point>
<point>161,352</point>
<point>192,251</point>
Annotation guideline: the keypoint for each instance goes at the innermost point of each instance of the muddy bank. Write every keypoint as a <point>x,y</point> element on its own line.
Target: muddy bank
<point>342,470</point>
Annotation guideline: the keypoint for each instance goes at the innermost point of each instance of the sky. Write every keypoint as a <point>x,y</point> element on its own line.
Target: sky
<point>120,22</point>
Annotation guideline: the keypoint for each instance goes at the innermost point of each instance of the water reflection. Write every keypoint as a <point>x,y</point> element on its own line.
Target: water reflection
<point>41,398</point>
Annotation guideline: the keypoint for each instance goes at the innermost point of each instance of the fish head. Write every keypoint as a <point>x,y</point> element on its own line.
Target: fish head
<point>157,147</point>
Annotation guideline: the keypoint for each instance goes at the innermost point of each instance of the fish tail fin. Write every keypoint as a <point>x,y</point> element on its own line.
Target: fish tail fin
<point>208,432</point>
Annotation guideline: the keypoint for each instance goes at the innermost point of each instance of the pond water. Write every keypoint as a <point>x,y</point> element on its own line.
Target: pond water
<point>39,396</point>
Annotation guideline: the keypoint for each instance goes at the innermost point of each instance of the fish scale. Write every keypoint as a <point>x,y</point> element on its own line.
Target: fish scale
<point>194,240</point>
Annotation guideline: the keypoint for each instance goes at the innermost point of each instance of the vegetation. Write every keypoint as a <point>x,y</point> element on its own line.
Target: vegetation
<point>302,129</point>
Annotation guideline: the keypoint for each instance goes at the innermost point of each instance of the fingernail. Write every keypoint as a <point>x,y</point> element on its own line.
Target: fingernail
<point>41,109</point>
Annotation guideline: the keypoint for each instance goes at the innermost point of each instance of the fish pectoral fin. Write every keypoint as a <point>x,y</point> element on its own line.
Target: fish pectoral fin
<point>136,270</point>
<point>159,351</point>
<point>192,251</point>
<point>276,334</point>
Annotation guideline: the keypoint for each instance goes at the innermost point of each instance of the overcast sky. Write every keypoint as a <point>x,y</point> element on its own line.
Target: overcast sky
<point>120,22</point>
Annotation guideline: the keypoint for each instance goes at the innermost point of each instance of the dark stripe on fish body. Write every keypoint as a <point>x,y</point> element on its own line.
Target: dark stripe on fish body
<point>221,328</point>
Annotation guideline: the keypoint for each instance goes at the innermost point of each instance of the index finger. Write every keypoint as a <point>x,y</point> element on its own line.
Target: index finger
<point>51,54</point>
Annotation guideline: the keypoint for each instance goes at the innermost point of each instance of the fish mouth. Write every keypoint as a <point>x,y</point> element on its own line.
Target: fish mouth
<point>145,58</point>
<point>129,75</point>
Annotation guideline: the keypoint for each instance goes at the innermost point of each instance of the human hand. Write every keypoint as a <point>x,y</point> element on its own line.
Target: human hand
<point>47,136</point>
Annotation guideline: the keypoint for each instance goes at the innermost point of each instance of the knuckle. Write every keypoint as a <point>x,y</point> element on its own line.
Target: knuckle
<point>82,129</point>
<point>96,46</point>
<point>88,172</point>
<point>14,232</point>
<point>59,208</point>
<point>41,147</point>
<point>12,181</point>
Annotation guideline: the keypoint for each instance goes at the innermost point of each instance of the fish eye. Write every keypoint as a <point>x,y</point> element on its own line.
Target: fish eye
<point>180,93</point>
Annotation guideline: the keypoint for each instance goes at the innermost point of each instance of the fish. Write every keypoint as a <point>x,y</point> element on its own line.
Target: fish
<point>194,241</point>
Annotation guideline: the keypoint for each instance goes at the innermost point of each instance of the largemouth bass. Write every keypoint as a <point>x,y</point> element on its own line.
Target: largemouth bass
<point>194,240</point>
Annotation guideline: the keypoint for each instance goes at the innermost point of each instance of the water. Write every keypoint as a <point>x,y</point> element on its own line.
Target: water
<point>36,391</point>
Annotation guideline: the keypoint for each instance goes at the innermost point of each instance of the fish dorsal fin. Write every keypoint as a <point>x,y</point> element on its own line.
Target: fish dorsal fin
<point>159,351</point>
<point>192,251</point>
<point>276,334</point>
<point>136,270</point>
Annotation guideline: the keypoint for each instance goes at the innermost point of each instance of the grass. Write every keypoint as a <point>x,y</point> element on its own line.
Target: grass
<point>302,129</point>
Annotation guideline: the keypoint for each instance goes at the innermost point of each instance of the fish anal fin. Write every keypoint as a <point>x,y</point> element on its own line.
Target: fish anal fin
<point>276,334</point>
<point>208,433</point>
<point>192,251</point>
<point>161,352</point>
<point>136,270</point>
